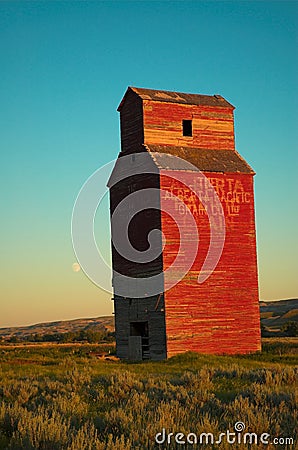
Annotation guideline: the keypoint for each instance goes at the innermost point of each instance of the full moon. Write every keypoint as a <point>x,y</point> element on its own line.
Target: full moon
<point>76,267</point>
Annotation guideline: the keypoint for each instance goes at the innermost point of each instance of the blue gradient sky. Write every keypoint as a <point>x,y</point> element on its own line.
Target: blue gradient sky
<point>64,69</point>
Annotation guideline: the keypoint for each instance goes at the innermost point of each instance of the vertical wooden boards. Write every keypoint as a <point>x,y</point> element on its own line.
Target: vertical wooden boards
<point>140,224</point>
<point>151,310</point>
<point>131,123</point>
<point>220,315</point>
<point>135,348</point>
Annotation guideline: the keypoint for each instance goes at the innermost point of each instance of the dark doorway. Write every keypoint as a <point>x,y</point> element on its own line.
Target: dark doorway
<point>141,329</point>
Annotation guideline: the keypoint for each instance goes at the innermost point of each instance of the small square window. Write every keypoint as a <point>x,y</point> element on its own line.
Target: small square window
<point>187,127</point>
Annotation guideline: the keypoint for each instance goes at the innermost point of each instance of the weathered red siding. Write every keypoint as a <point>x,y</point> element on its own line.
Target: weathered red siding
<point>220,315</point>
<point>213,127</point>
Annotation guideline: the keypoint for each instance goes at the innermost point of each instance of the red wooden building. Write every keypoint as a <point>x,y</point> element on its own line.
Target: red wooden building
<point>221,314</point>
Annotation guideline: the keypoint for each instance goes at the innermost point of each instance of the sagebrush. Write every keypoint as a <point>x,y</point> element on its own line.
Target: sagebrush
<point>75,402</point>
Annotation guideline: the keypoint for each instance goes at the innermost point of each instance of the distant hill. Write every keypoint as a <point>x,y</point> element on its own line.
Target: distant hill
<point>273,315</point>
<point>105,323</point>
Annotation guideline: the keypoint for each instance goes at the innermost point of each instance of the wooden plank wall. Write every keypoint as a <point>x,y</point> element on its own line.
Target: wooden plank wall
<point>220,315</point>
<point>135,348</point>
<point>149,310</point>
<point>140,225</point>
<point>131,123</point>
<point>213,127</point>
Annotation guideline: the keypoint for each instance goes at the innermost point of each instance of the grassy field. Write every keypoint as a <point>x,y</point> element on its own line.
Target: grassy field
<point>64,397</point>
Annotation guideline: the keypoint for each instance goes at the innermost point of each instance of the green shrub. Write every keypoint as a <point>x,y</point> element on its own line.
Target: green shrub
<point>290,329</point>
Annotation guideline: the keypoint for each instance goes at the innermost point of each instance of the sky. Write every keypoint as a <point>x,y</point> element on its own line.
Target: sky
<point>65,67</point>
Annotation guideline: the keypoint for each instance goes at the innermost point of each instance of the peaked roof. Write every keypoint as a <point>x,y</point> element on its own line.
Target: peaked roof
<point>227,161</point>
<point>152,158</point>
<point>177,97</point>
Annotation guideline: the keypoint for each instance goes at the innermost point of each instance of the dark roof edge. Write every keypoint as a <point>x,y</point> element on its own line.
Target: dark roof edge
<point>195,155</point>
<point>128,90</point>
<point>139,94</point>
<point>244,160</point>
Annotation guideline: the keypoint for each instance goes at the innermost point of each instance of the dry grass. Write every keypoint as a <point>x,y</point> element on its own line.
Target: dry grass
<point>69,400</point>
